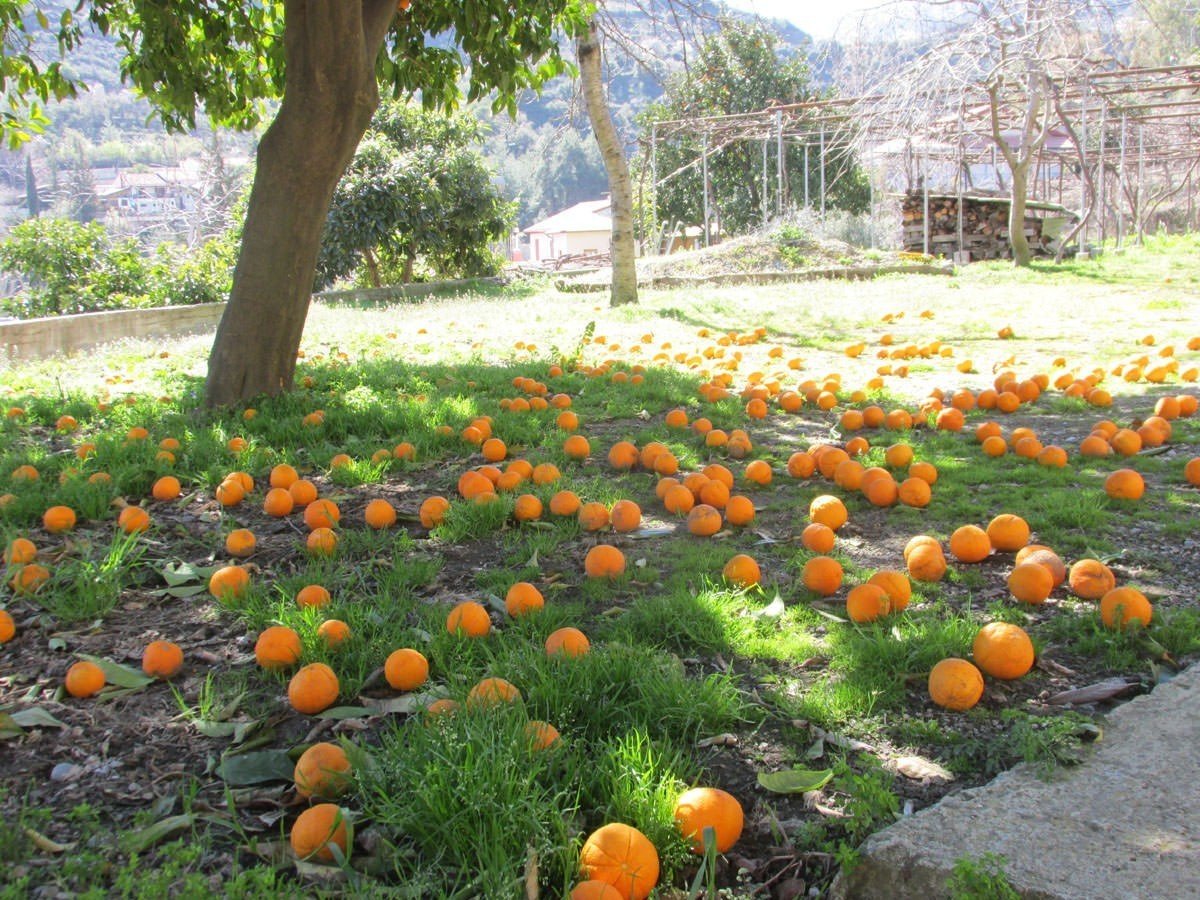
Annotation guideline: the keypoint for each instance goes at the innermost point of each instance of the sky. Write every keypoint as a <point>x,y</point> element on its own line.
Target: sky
<point>819,18</point>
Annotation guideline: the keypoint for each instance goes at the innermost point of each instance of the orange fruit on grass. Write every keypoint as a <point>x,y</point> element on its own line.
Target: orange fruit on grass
<point>321,514</point>
<point>718,472</point>
<point>593,516</point>
<point>1003,650</point>
<point>896,585</point>
<point>240,542</point>
<point>822,575</point>
<point>334,632</point>
<point>567,641</point>
<point>703,520</point>
<point>379,514</point>
<point>58,519</point>
<point>19,552</point>
<point>829,511</point>
<point>678,499</point>
<point>313,689</point>
<point>303,492</point>
<point>801,464</point>
<point>494,450</point>
<point>955,684</point>
<point>443,707</point>
<point>406,669</point>
<point>970,544</point>
<point>469,619</point>
<point>313,595</point>
<point>433,511</point>
<point>1008,533</point>
<point>926,471</point>
<point>278,647</point>
<point>604,561</point>
<point>1122,605</point>
<point>742,570</point>
<point>8,628</point>
<point>867,602</point>
<point>626,516</point>
<point>133,520</point>
<point>623,456</point>
<point>622,856</point>
<point>523,598</point>
<point>84,679</point>
<point>1043,556</point>
<point>317,830</point>
<point>491,692</point>
<point>707,807</point>
<point>883,491</point>
<point>926,562</point>
<point>565,503</point>
<point>1030,583</point>
<point>1125,484</point>
<point>759,472</point>
<point>527,508</point>
<point>898,456</point>
<point>576,447</point>
<point>230,492</point>
<point>541,735</point>
<point>321,542</point>
<point>915,492</point>
<point>166,488</point>
<point>162,659</point>
<point>1090,579</point>
<point>818,538</point>
<point>228,581</point>
<point>739,510</point>
<point>322,771</point>
<point>283,476</point>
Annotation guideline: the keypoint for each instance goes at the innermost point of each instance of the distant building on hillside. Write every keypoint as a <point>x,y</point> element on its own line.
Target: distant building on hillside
<point>161,192</point>
<point>582,229</point>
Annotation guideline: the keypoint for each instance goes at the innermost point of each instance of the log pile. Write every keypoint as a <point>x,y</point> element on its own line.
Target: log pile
<point>984,226</point>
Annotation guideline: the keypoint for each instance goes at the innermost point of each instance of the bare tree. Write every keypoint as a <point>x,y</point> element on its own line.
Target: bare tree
<point>1005,58</point>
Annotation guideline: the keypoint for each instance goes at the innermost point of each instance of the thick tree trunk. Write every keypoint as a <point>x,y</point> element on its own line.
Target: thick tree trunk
<point>410,260</point>
<point>372,268</point>
<point>1022,255</point>
<point>620,185</point>
<point>330,95</point>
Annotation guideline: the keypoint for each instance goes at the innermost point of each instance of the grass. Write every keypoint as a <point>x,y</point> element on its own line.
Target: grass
<point>678,656</point>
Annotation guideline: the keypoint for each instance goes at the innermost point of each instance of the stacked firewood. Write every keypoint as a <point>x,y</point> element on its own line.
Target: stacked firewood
<point>984,225</point>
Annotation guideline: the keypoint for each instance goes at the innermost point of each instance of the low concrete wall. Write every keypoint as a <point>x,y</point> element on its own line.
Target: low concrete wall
<point>28,339</point>
<point>852,273</point>
<point>403,291</point>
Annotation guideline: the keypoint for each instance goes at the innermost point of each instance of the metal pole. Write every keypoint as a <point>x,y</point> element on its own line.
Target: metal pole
<point>704,175</point>
<point>1083,156</point>
<point>925,186</point>
<point>1102,192</point>
<point>779,162</point>
<point>765,188</point>
<point>1121,187</point>
<point>806,176</point>
<point>1141,178</point>
<point>654,188</point>
<point>822,171</point>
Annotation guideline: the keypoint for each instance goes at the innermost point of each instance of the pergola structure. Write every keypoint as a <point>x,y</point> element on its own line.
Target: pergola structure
<point>1123,149</point>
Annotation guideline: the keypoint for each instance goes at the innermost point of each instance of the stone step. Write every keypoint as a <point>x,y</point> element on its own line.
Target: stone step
<point>1123,825</point>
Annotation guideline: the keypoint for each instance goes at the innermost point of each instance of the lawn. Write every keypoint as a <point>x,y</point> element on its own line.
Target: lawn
<point>806,698</point>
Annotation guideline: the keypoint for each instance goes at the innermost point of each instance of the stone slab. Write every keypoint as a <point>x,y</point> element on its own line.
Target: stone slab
<point>1123,825</point>
<point>30,339</point>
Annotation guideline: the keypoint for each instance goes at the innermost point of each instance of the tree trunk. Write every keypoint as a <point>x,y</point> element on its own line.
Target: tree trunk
<point>372,268</point>
<point>1022,255</point>
<point>410,260</point>
<point>330,95</point>
<point>620,185</point>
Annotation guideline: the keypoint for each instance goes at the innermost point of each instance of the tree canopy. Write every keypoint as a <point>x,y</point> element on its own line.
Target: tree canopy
<point>417,187</point>
<point>742,68</point>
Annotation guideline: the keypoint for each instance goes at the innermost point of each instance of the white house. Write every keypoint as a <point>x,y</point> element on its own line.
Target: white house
<point>582,229</point>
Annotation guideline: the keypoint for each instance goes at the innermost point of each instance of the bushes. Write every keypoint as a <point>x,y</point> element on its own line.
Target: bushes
<point>69,267</point>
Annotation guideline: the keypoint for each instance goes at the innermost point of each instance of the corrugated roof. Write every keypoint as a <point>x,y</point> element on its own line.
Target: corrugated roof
<point>590,215</point>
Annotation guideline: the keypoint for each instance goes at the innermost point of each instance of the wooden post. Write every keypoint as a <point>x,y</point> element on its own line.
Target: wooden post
<point>806,175</point>
<point>1121,187</point>
<point>704,176</point>
<point>925,215</point>
<point>1141,177</point>
<point>1102,189</point>
<point>779,162</point>
<point>765,188</point>
<point>822,171</point>
<point>654,188</point>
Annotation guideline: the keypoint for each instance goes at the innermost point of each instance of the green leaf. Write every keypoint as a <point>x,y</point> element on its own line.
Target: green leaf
<point>186,573</point>
<point>35,717</point>
<point>345,712</point>
<point>119,675</point>
<point>256,768</point>
<point>795,781</point>
<point>8,728</point>
<point>137,841</point>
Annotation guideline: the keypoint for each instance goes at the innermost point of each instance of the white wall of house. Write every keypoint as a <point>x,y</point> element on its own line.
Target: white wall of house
<point>568,243</point>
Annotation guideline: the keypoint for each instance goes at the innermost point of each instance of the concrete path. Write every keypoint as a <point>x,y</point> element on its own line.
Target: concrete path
<point>1124,825</point>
